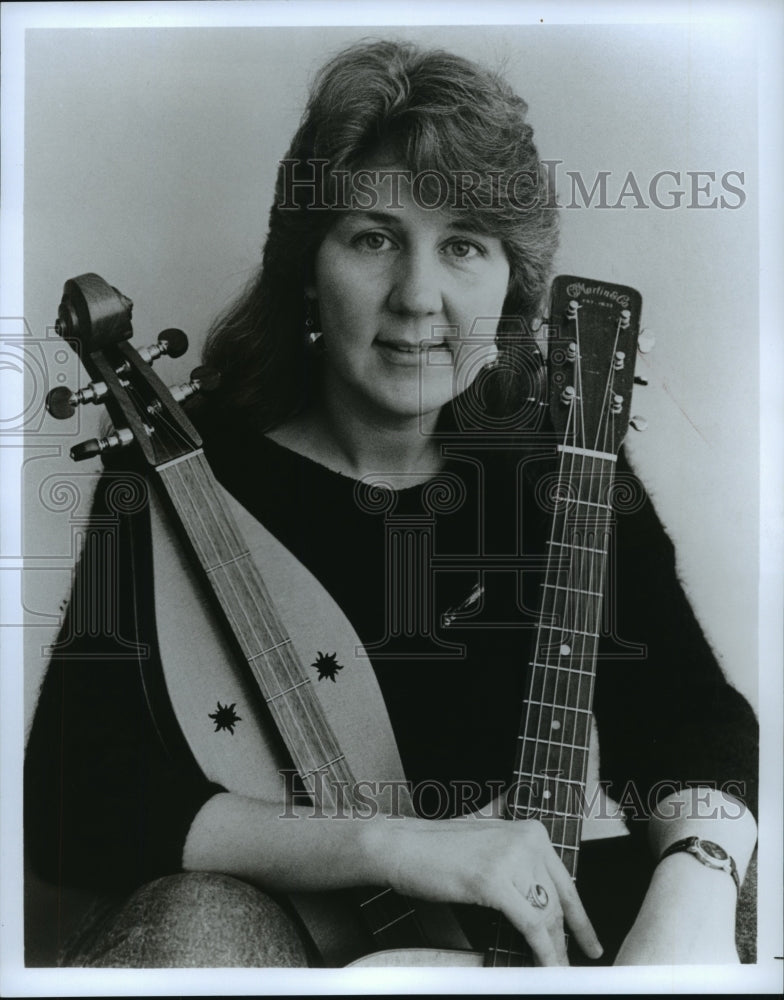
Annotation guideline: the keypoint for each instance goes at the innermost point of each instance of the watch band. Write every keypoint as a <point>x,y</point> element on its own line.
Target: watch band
<point>707,853</point>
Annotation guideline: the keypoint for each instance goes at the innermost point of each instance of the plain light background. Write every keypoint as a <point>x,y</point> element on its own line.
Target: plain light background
<point>150,159</point>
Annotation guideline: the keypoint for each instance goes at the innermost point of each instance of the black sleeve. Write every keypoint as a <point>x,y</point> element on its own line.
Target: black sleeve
<point>111,788</point>
<point>667,717</point>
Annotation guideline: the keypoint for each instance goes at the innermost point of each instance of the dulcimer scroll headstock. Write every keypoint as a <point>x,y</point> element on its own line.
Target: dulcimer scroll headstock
<point>95,319</point>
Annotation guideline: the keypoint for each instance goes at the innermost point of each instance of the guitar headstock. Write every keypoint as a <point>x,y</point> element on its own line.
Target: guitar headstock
<point>594,326</point>
<point>95,319</point>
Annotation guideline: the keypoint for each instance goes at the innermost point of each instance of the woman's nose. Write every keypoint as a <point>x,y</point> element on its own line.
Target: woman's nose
<point>416,288</point>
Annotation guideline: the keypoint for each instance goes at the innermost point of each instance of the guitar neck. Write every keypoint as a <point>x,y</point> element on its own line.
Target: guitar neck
<point>552,760</point>
<point>549,776</point>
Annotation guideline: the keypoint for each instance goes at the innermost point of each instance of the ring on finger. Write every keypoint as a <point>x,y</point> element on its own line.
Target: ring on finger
<point>537,896</point>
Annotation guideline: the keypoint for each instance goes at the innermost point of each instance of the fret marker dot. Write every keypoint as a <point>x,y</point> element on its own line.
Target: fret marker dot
<point>555,724</point>
<point>546,794</point>
<point>565,650</point>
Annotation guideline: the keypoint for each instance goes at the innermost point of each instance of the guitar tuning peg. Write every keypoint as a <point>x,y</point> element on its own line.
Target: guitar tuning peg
<point>639,380</point>
<point>646,342</point>
<point>203,379</point>
<point>568,395</point>
<point>61,403</point>
<point>96,446</point>
<point>638,423</point>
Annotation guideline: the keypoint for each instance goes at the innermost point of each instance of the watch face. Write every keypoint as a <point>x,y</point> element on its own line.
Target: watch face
<point>713,850</point>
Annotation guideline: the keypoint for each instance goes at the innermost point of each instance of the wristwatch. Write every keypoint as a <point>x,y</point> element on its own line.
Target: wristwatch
<point>707,853</point>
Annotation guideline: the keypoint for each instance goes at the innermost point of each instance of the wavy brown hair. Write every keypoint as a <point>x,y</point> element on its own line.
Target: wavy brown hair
<point>438,112</point>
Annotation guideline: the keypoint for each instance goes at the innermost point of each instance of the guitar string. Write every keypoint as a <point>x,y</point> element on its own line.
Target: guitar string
<point>596,537</point>
<point>593,580</point>
<point>606,444</point>
<point>568,624</point>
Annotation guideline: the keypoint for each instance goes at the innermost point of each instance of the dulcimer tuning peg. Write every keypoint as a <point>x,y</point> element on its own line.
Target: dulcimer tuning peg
<point>61,403</point>
<point>96,446</point>
<point>638,423</point>
<point>639,380</point>
<point>203,379</point>
<point>173,343</point>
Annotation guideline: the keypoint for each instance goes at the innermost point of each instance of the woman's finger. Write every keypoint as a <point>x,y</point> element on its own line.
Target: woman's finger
<point>537,916</point>
<point>573,910</point>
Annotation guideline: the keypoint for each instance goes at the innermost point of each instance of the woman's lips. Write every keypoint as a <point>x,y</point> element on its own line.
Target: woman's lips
<point>408,353</point>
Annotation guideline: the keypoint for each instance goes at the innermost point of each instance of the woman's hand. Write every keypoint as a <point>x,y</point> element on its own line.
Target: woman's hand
<point>507,866</point>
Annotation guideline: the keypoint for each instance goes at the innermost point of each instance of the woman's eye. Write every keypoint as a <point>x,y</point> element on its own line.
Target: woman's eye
<point>372,241</point>
<point>464,249</point>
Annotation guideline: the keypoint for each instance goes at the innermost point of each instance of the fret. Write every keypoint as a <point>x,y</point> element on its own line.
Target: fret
<point>538,757</point>
<point>314,770</point>
<point>582,548</point>
<point>378,895</point>
<point>265,652</point>
<point>574,450</point>
<point>546,813</point>
<point>395,920</point>
<point>227,562</point>
<point>562,666</point>
<point>564,708</point>
<point>549,742</point>
<point>567,808</point>
<point>288,690</point>
<point>572,590</point>
<point>554,777</point>
<point>592,503</point>
<point>182,458</point>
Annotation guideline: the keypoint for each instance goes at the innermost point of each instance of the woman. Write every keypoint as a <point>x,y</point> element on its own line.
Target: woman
<point>387,338</point>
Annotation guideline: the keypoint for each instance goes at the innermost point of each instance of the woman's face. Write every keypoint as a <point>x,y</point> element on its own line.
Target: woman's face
<point>409,301</point>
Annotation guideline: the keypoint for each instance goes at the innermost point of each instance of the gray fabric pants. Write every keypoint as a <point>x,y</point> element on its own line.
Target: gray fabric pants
<point>193,920</point>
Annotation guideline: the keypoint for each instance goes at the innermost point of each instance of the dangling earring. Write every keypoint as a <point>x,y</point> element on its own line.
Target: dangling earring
<point>312,335</point>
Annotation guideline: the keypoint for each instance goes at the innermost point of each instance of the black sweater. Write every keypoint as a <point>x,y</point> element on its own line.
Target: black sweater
<point>110,786</point>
